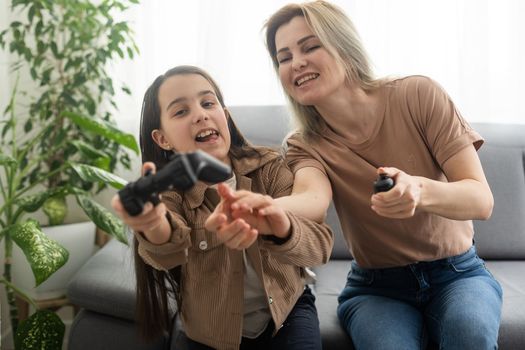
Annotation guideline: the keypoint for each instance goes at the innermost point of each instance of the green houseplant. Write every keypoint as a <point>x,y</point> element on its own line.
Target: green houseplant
<point>58,137</point>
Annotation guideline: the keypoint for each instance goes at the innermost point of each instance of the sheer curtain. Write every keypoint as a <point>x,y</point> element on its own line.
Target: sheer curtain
<point>474,48</point>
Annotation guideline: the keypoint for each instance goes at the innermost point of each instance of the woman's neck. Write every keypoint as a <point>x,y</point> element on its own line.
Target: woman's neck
<point>351,113</point>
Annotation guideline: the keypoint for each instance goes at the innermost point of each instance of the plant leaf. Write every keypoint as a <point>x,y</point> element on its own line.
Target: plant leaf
<point>33,202</point>
<point>105,129</point>
<point>103,163</point>
<point>88,150</point>
<point>103,218</point>
<point>93,174</point>
<point>45,256</point>
<point>6,160</point>
<point>55,209</point>
<point>43,330</point>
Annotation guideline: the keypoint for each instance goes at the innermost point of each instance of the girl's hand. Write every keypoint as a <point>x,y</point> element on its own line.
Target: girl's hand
<point>402,200</point>
<point>152,221</point>
<point>242,215</point>
<point>261,212</point>
<point>147,221</point>
<point>222,212</point>
<point>234,233</point>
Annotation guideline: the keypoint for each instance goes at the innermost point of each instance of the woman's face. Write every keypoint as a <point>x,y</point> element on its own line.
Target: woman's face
<point>192,117</point>
<point>306,70</point>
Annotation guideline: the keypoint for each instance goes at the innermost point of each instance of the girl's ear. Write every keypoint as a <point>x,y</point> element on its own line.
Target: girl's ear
<point>159,138</point>
<point>227,112</point>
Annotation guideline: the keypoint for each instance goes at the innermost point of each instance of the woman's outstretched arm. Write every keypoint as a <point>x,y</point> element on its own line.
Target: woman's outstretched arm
<point>311,195</point>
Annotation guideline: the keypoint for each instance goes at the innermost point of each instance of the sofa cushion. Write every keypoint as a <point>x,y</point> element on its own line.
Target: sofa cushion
<point>503,235</point>
<point>91,330</point>
<point>330,280</point>
<point>511,276</point>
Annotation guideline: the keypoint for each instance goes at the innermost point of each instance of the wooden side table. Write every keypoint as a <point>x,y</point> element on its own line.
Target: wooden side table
<point>101,238</point>
<point>48,304</point>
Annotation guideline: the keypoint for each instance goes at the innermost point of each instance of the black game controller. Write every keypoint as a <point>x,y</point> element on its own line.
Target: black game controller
<point>182,172</point>
<point>383,183</point>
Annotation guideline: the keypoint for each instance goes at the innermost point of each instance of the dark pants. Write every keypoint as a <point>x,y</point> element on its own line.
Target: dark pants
<point>300,330</point>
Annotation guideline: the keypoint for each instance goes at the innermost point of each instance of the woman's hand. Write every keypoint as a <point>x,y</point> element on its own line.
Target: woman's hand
<point>465,195</point>
<point>152,221</point>
<point>402,200</point>
<point>234,233</point>
<point>260,211</point>
<point>242,215</point>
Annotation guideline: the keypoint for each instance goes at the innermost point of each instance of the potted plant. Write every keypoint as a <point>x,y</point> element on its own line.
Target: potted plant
<point>58,137</point>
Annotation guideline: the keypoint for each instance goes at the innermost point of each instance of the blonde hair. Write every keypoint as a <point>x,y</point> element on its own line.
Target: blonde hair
<point>340,38</point>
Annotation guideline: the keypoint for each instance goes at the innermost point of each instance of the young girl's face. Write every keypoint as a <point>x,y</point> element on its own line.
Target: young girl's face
<point>192,117</point>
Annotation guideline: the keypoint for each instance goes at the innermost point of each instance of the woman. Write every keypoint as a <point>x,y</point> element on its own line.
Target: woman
<point>242,284</point>
<point>416,273</point>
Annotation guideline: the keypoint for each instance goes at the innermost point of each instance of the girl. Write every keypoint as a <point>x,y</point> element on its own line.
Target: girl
<point>416,273</point>
<point>244,284</point>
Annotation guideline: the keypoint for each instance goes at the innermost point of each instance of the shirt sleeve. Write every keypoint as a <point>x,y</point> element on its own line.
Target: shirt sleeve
<point>174,252</point>
<point>299,155</point>
<point>309,243</point>
<point>445,130</point>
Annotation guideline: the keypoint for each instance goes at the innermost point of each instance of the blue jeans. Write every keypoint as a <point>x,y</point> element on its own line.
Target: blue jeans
<point>455,302</point>
<point>300,331</point>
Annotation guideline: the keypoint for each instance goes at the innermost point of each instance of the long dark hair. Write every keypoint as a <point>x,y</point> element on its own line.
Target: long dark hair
<point>154,286</point>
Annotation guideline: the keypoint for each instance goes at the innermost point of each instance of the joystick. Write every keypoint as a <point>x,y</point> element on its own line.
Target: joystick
<point>182,172</point>
<point>383,183</point>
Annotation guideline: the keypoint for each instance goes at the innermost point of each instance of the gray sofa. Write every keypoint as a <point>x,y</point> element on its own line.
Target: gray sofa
<point>104,287</point>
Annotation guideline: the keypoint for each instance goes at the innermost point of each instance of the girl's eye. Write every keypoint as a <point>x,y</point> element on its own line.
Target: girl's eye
<point>208,104</point>
<point>179,113</point>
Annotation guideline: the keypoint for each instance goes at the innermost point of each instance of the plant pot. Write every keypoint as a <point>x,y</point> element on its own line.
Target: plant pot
<point>78,239</point>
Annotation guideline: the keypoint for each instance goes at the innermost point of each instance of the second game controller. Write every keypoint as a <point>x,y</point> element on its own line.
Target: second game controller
<point>383,183</point>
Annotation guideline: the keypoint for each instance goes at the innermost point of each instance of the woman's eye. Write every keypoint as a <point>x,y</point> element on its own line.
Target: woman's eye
<point>312,48</point>
<point>283,60</point>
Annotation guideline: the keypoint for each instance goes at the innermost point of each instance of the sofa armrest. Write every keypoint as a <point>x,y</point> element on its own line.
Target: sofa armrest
<point>106,283</point>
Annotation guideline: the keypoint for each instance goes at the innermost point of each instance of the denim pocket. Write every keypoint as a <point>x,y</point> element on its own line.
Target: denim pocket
<point>359,277</point>
<point>467,265</point>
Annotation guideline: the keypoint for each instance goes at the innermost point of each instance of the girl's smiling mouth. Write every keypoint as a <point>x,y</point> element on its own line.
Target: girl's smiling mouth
<point>207,135</point>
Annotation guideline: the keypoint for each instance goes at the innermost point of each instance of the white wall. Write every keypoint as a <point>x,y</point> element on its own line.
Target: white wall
<point>474,48</point>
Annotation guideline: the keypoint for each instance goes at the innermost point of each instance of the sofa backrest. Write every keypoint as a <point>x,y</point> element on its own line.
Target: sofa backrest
<point>503,160</point>
<point>502,156</point>
<point>262,125</point>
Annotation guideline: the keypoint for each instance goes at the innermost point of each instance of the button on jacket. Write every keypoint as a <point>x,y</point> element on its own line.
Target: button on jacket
<point>212,274</point>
